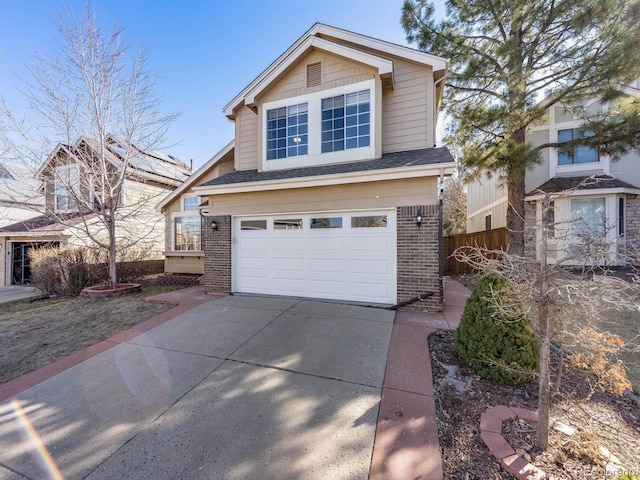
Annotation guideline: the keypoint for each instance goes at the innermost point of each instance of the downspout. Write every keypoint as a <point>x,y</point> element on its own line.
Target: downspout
<point>435,106</point>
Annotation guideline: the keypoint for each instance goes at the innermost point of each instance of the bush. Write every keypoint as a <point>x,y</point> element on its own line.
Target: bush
<point>64,271</point>
<point>499,348</point>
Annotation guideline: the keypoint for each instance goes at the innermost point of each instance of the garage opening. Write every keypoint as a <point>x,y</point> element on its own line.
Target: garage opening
<point>20,262</point>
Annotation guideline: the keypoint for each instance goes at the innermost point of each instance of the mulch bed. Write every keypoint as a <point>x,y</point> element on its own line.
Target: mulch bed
<point>600,419</point>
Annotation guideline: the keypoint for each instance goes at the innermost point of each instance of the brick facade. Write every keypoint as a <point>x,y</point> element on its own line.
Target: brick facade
<point>632,233</point>
<point>217,257</point>
<point>418,258</point>
<point>420,255</point>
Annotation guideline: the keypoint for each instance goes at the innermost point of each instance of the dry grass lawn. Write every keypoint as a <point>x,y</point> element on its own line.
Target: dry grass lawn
<point>35,333</point>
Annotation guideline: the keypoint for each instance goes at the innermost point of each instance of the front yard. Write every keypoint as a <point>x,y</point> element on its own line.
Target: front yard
<point>35,333</point>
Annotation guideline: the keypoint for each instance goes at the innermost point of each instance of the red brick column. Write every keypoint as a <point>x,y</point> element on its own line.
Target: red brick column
<point>217,255</point>
<point>419,255</point>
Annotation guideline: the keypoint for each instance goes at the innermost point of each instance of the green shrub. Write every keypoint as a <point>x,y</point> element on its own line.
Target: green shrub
<point>499,348</point>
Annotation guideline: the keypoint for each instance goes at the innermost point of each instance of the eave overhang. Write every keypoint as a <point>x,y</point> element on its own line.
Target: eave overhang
<point>434,170</point>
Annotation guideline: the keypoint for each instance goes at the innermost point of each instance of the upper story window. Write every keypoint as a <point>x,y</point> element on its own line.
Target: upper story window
<point>346,121</point>
<point>190,204</point>
<point>334,125</point>
<point>287,131</point>
<point>67,180</point>
<point>577,153</point>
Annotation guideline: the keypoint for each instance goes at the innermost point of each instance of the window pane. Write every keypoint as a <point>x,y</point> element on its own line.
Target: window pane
<point>188,233</point>
<point>288,224</point>
<point>369,221</point>
<point>190,204</point>
<point>253,225</point>
<point>326,222</point>
<point>351,123</point>
<point>285,127</point>
<point>589,216</point>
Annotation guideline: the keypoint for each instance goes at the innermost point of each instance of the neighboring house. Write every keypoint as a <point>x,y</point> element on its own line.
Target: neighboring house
<point>149,176</point>
<point>333,162</point>
<point>18,195</point>
<point>608,210</point>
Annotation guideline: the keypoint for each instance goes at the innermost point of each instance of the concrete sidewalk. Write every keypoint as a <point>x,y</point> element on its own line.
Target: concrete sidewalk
<point>281,388</point>
<point>17,292</point>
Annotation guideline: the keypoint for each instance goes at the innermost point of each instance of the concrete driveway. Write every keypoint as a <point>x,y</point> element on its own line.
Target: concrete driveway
<point>242,387</point>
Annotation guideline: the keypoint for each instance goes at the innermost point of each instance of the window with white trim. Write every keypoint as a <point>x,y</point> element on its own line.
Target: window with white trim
<point>287,129</point>
<point>346,121</point>
<point>67,183</point>
<point>576,153</point>
<point>187,233</point>
<point>334,125</point>
<point>621,216</point>
<point>589,217</point>
<point>187,226</point>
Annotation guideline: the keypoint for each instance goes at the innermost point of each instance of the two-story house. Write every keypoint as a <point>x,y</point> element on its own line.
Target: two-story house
<point>66,183</point>
<point>607,209</point>
<point>330,187</point>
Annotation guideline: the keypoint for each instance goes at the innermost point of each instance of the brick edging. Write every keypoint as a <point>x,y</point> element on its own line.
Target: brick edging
<point>491,433</point>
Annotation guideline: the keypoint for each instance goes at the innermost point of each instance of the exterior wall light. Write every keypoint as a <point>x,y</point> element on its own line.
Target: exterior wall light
<point>214,225</point>
<point>419,218</point>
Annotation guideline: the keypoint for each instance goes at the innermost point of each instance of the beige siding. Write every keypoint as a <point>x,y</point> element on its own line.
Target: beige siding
<point>246,140</point>
<point>383,194</point>
<point>184,264</point>
<point>408,109</point>
<point>486,195</point>
<point>336,72</point>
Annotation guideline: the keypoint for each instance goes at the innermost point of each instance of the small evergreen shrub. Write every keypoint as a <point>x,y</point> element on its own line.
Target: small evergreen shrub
<point>498,348</point>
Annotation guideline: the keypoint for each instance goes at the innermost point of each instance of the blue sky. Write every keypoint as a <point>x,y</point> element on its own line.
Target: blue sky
<point>204,52</point>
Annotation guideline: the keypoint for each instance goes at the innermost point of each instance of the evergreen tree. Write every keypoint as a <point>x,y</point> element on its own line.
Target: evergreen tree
<point>508,55</point>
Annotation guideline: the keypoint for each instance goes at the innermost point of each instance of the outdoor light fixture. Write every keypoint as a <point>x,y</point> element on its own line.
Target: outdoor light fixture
<point>214,225</point>
<point>419,218</point>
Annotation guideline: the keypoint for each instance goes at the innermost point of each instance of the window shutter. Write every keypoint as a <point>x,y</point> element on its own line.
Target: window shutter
<point>314,74</point>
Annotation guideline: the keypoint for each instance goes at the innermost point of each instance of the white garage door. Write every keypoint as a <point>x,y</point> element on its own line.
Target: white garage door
<point>344,256</point>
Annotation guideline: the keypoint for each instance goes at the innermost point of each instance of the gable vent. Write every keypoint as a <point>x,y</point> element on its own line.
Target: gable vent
<point>314,74</point>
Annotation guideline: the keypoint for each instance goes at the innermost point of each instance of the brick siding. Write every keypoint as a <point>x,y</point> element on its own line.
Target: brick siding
<point>530,229</point>
<point>419,255</point>
<point>217,255</point>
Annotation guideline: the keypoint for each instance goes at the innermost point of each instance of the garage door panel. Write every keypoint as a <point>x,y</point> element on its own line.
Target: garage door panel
<point>379,267</point>
<point>347,263</point>
<point>327,287</point>
<point>287,264</point>
<point>287,286</point>
<point>326,265</point>
<point>369,290</point>
<point>326,243</point>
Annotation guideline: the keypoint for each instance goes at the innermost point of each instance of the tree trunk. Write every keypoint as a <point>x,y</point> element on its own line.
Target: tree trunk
<point>113,274</point>
<point>515,195</point>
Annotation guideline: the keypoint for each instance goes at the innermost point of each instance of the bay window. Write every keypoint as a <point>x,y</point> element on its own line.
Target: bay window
<point>187,226</point>
<point>589,217</point>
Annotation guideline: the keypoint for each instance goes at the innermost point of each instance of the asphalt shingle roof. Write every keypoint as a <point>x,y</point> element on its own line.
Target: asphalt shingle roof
<point>559,184</point>
<point>41,223</point>
<point>428,156</point>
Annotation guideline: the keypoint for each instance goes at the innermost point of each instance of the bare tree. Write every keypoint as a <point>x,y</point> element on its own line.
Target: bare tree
<point>567,292</point>
<point>94,97</point>
<point>454,205</point>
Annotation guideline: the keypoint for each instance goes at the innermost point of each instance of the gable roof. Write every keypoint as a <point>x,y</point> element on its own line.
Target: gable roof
<point>197,175</point>
<point>399,164</point>
<point>146,164</point>
<point>339,41</point>
<point>43,223</point>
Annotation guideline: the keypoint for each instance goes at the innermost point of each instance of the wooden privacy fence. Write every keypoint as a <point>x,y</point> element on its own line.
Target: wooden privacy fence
<point>495,239</point>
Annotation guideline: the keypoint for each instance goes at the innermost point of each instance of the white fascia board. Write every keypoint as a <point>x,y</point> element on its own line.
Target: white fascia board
<point>327,180</point>
<point>196,175</point>
<point>437,63</point>
<point>594,192</point>
<point>383,65</point>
